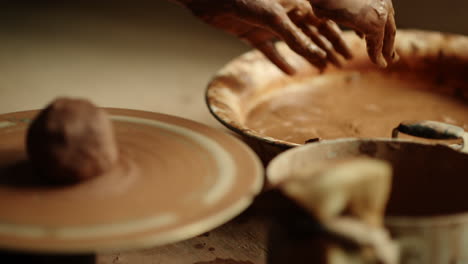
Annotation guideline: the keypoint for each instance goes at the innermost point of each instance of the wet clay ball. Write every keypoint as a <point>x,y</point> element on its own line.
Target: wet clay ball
<point>71,140</point>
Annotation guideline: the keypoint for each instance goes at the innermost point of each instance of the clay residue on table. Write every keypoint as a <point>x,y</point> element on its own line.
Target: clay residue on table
<point>352,104</point>
<point>224,261</point>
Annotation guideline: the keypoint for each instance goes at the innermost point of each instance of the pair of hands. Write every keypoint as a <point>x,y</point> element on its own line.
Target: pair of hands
<point>305,25</point>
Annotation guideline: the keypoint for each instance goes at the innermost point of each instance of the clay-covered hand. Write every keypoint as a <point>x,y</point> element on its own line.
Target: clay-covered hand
<point>261,22</point>
<point>373,19</point>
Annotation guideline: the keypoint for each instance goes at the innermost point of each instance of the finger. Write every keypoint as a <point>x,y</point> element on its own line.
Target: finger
<point>388,49</point>
<point>315,36</point>
<point>269,50</point>
<point>322,42</point>
<point>374,47</point>
<point>262,40</point>
<point>334,34</point>
<point>298,41</point>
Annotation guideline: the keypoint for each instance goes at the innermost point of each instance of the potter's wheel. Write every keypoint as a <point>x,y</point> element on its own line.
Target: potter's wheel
<point>175,179</point>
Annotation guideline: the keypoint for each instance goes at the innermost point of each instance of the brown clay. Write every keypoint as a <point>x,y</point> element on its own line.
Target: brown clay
<point>71,140</point>
<point>429,82</point>
<point>351,104</point>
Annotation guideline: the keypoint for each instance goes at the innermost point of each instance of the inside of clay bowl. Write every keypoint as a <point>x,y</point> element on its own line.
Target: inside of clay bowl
<point>428,180</point>
<point>430,82</point>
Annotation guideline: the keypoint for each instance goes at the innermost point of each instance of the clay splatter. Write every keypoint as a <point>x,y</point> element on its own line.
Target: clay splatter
<point>224,261</point>
<point>199,245</point>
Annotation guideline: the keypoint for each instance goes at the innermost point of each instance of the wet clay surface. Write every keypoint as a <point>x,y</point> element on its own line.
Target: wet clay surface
<point>71,140</point>
<point>351,104</point>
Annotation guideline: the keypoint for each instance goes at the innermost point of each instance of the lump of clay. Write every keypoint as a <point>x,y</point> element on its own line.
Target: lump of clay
<point>71,140</point>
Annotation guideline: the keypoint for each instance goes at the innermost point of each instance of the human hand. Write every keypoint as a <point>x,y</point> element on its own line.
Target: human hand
<point>372,19</point>
<point>261,22</point>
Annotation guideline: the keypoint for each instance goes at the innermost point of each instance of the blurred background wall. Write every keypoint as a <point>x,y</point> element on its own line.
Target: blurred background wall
<point>447,16</point>
<point>150,55</point>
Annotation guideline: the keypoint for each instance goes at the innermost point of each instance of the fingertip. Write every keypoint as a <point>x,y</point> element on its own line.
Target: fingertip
<point>269,50</point>
<point>389,40</point>
<point>381,61</point>
<point>285,67</point>
<point>288,69</point>
<point>374,49</point>
<point>395,57</point>
<point>316,51</point>
<point>344,50</point>
<point>320,65</point>
<point>347,54</point>
<point>333,33</point>
<point>322,69</point>
<point>335,60</point>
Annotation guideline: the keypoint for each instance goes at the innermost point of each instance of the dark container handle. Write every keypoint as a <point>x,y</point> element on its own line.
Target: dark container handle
<point>432,130</point>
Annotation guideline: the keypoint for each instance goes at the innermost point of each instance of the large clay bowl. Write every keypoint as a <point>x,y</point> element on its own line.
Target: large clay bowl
<point>427,212</point>
<point>274,112</point>
<point>175,179</point>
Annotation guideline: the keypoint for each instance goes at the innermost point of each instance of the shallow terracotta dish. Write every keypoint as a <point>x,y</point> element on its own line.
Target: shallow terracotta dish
<point>275,112</point>
<point>175,179</point>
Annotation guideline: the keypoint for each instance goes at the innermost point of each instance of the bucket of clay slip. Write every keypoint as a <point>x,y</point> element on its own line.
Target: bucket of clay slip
<point>427,212</point>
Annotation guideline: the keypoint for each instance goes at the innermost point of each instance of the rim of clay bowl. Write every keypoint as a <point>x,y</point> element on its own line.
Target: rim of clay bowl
<point>396,221</point>
<point>233,82</point>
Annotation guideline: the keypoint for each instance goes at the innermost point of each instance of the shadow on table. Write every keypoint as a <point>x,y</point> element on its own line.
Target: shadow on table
<point>11,257</point>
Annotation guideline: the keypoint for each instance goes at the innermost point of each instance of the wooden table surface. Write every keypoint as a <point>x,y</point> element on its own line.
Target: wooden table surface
<point>273,230</point>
